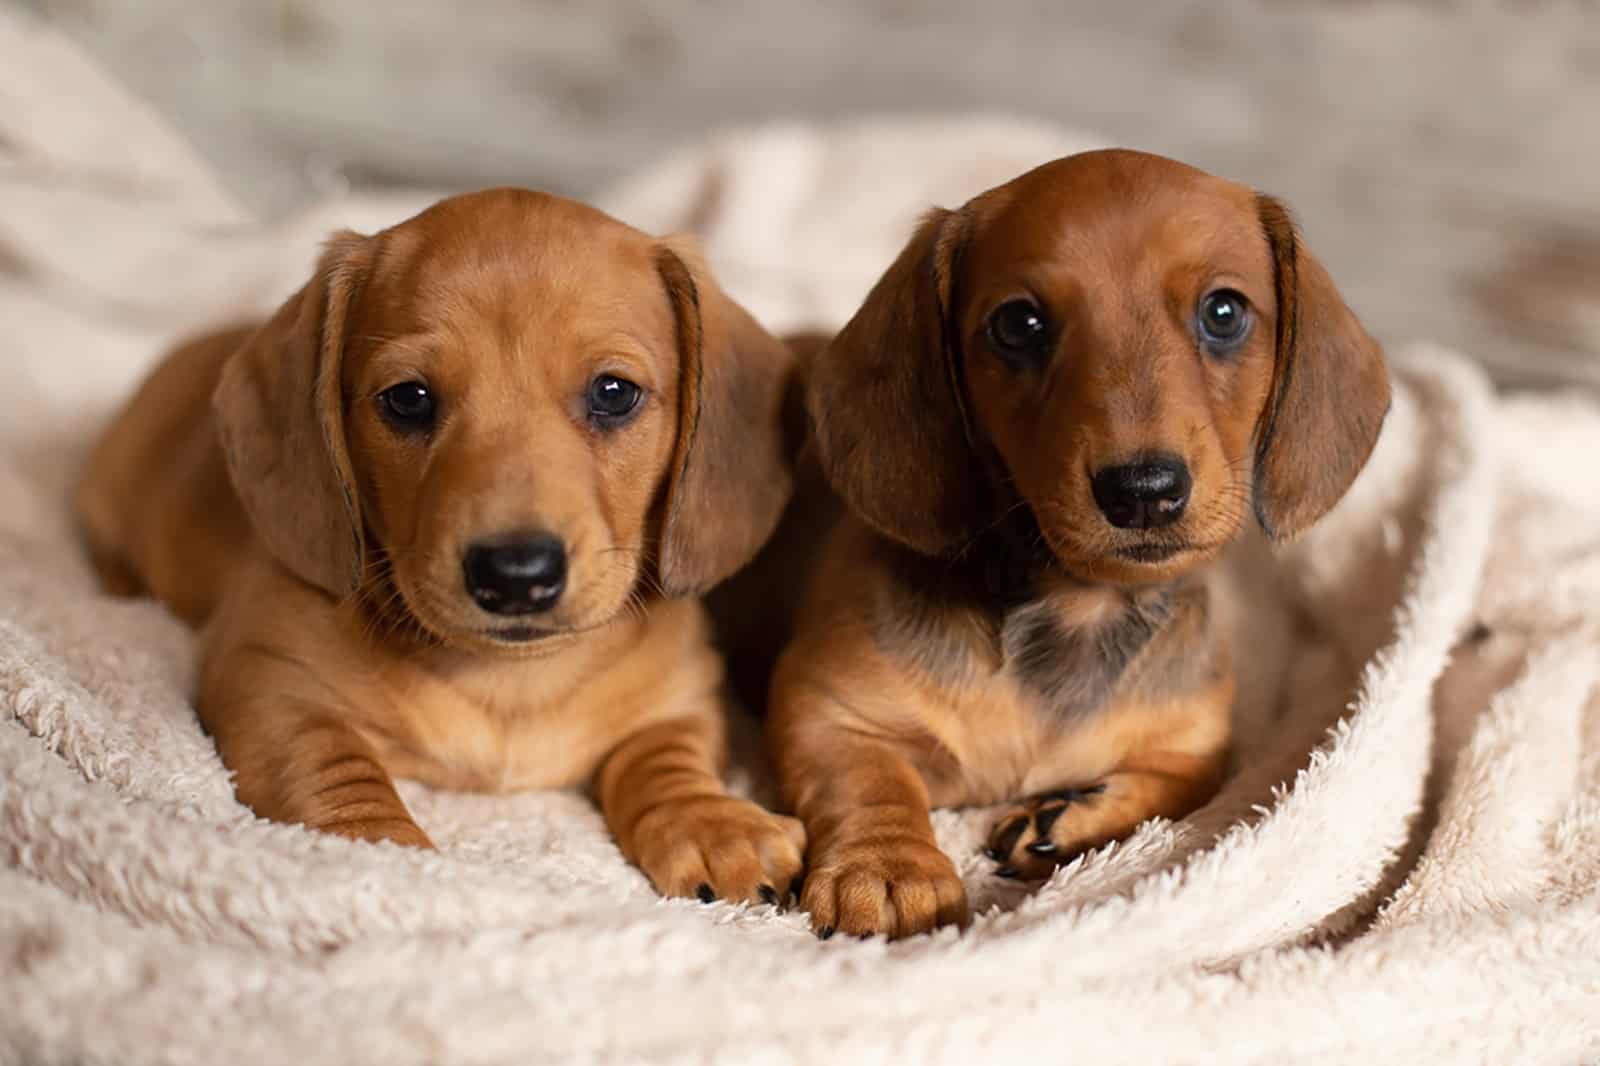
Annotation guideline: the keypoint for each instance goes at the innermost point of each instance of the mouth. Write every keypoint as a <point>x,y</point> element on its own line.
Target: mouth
<point>423,610</point>
<point>535,634</point>
<point>518,634</point>
<point>1149,551</point>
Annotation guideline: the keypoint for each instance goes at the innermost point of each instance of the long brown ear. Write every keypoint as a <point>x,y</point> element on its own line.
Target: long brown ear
<point>279,413</point>
<point>732,473</point>
<point>1330,390</point>
<point>885,400</point>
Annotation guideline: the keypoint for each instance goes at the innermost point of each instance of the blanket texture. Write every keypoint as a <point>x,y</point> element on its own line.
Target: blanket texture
<point>1404,865</point>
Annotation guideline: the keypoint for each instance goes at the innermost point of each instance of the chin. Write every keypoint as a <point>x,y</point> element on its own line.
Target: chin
<point>1144,563</point>
<point>507,639</point>
<point>530,636</point>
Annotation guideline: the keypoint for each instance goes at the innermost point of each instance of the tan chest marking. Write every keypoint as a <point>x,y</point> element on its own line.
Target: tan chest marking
<point>498,726</point>
<point>449,736</point>
<point>1059,691</point>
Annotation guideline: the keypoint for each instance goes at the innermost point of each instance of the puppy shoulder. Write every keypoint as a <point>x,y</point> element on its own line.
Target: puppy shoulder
<point>273,636</point>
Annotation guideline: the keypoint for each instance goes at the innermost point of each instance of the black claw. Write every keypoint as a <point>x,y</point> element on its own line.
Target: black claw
<point>705,893</point>
<point>796,885</point>
<point>1007,838</point>
<point>825,932</point>
<point>1043,847</point>
<point>1045,820</point>
<point>768,894</point>
<point>1009,872</point>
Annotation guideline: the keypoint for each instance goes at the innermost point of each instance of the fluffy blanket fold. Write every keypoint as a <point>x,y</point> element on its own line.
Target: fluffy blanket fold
<point>1404,866</point>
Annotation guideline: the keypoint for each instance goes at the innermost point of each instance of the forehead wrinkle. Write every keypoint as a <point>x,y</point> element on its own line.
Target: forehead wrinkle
<point>590,318</point>
<point>505,256</point>
<point>1111,248</point>
<point>540,339</point>
<point>504,248</point>
<point>1216,239</point>
<point>409,352</point>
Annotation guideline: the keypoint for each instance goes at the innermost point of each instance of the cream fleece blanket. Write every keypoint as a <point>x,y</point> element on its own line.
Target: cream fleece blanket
<point>1404,867</point>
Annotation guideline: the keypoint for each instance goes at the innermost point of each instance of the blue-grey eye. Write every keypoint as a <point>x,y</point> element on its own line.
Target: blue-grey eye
<point>1224,319</point>
<point>409,406</point>
<point>612,398</point>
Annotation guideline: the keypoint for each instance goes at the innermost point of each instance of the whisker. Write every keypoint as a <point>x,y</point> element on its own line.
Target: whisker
<point>973,542</point>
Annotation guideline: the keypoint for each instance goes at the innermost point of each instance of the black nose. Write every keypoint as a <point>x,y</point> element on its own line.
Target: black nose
<point>1143,495</point>
<point>516,574</point>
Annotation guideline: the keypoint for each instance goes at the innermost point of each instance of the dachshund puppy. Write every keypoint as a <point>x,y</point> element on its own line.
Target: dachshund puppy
<point>444,517</point>
<point>1058,405</point>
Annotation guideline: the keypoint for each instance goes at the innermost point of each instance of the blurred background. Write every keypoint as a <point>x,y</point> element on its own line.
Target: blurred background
<point>1443,157</point>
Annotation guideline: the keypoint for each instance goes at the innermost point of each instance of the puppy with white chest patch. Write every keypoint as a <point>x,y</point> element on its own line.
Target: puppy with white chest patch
<point>445,517</point>
<point>1052,413</point>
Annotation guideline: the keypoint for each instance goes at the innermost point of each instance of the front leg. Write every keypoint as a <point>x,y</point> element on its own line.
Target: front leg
<point>1166,758</point>
<point>1053,828</point>
<point>664,802</point>
<point>301,764</point>
<point>281,693</point>
<point>873,865</point>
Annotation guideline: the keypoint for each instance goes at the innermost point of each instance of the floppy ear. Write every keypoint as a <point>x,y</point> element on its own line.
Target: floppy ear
<point>731,473</point>
<point>279,413</point>
<point>1330,390</point>
<point>886,401</point>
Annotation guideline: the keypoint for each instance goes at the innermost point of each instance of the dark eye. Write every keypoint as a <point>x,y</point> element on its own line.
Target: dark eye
<point>1224,319</point>
<point>612,398</point>
<point>409,406</point>
<point>1019,331</point>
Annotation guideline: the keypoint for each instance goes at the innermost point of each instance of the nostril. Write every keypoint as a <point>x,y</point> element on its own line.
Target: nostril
<point>516,574</point>
<point>1143,495</point>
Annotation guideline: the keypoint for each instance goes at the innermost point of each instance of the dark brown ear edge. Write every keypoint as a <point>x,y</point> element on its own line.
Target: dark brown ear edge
<point>337,276</point>
<point>1282,235</point>
<point>340,251</point>
<point>681,569</point>
<point>1279,228</point>
<point>682,292</point>
<point>349,256</point>
<point>955,513</point>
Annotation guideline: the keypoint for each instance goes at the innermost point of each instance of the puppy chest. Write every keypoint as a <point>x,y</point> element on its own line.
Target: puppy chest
<point>1060,706</point>
<point>993,747</point>
<point>511,741</point>
<point>1007,744</point>
<point>535,725</point>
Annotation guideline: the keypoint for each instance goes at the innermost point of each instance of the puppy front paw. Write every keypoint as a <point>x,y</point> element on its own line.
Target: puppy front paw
<point>402,831</point>
<point>898,888</point>
<point>1039,834</point>
<point>719,847</point>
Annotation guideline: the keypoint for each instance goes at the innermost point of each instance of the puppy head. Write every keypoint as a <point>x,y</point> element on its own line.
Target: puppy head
<point>1141,353</point>
<point>508,416</point>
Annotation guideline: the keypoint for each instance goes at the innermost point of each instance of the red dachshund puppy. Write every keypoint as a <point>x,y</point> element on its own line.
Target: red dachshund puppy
<point>1052,413</point>
<point>445,516</point>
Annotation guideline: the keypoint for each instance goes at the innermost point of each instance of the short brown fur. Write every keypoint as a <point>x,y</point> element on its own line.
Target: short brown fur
<point>976,630</point>
<point>340,646</point>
